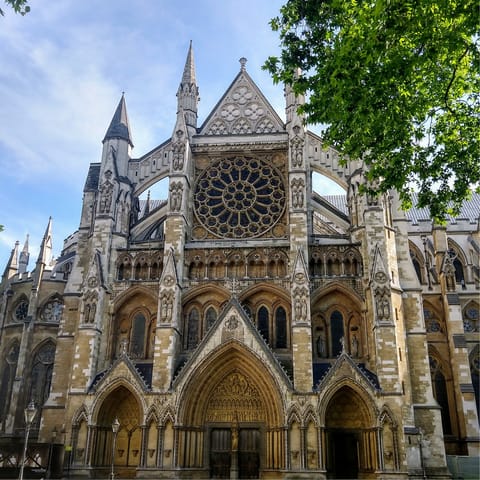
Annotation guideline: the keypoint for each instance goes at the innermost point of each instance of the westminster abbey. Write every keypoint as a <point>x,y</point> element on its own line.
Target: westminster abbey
<point>247,326</point>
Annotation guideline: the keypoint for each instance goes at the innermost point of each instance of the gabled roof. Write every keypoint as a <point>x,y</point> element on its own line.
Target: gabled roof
<point>123,367</point>
<point>242,110</point>
<point>345,366</point>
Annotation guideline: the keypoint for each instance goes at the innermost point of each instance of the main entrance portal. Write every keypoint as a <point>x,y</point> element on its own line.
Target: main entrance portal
<point>235,453</point>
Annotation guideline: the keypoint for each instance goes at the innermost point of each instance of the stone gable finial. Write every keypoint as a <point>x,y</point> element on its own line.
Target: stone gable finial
<point>243,62</point>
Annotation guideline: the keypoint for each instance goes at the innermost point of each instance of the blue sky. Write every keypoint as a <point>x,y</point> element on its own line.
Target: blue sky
<point>63,69</point>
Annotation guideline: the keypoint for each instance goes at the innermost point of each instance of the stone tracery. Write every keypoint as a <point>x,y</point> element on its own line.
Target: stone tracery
<point>239,197</point>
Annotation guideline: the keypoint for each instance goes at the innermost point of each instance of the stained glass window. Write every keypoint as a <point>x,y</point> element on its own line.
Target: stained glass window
<point>239,197</point>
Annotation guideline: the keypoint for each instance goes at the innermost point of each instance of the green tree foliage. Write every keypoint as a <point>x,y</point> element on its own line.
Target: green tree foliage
<point>395,83</point>
<point>19,6</point>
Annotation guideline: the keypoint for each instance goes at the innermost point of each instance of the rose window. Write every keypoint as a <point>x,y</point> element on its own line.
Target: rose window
<point>239,197</point>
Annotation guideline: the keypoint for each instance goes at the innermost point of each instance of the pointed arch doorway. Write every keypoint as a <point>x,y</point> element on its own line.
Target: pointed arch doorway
<point>350,435</point>
<point>232,414</point>
<point>236,419</point>
<point>121,404</point>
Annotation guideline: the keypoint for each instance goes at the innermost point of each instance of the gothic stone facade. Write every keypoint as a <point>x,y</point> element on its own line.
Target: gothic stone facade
<point>247,327</point>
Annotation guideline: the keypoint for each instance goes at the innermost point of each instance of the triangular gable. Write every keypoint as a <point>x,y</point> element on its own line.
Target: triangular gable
<point>123,368</point>
<point>169,276</point>
<point>95,276</point>
<point>345,367</point>
<point>242,110</point>
<point>233,325</point>
<point>379,273</point>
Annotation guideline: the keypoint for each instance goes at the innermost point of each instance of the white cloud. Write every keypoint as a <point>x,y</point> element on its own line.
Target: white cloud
<point>64,67</point>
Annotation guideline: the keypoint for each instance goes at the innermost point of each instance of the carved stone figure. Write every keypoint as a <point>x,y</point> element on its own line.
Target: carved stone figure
<point>321,346</point>
<point>298,196</point>
<point>354,346</point>
<point>106,192</point>
<point>178,152</point>
<point>176,190</point>
<point>296,149</point>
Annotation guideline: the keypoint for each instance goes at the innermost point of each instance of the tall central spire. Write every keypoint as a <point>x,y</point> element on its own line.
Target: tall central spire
<point>187,93</point>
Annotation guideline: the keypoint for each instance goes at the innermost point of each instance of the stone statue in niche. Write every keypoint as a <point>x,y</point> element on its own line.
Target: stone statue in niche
<point>321,345</point>
<point>296,148</point>
<point>354,346</point>
<point>90,312</point>
<point>176,190</point>
<point>383,306</point>
<point>300,305</point>
<point>178,150</point>
<point>106,192</point>
<point>449,270</point>
<point>166,307</point>
<point>297,192</point>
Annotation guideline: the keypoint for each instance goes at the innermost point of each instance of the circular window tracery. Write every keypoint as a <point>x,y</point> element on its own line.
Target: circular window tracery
<point>239,197</point>
<point>21,311</point>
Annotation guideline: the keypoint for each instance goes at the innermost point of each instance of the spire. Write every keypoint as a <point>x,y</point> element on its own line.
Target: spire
<point>189,75</point>
<point>12,265</point>
<point>24,257</point>
<point>187,93</point>
<point>45,255</point>
<point>119,126</point>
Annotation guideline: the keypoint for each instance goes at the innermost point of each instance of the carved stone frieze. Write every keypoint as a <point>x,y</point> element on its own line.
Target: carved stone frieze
<point>236,399</point>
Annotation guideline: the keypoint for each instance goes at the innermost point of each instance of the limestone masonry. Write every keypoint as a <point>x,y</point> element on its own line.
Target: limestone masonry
<point>247,326</point>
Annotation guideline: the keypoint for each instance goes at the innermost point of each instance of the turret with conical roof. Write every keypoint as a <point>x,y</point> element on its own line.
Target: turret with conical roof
<point>119,126</point>
<point>117,143</point>
<point>187,94</point>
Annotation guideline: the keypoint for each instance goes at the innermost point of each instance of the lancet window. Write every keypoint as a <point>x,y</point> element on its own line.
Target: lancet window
<point>197,322</point>
<point>7,376</point>
<point>136,335</point>
<point>440,393</point>
<point>41,374</point>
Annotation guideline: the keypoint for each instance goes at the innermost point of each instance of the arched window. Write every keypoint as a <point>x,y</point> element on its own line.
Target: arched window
<point>138,336</point>
<point>210,317</point>
<point>193,329</point>
<point>52,311</point>
<point>337,332</point>
<point>440,393</point>
<point>262,323</point>
<point>138,272</point>
<point>41,375</point>
<point>471,318</point>
<point>125,269</point>
<point>9,366</point>
<point>432,323</point>
<point>280,328</point>
<point>459,277</point>
<point>121,272</point>
<point>155,271</point>
<point>416,266</point>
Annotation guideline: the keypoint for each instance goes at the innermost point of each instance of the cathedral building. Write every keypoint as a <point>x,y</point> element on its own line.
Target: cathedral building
<point>248,326</point>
